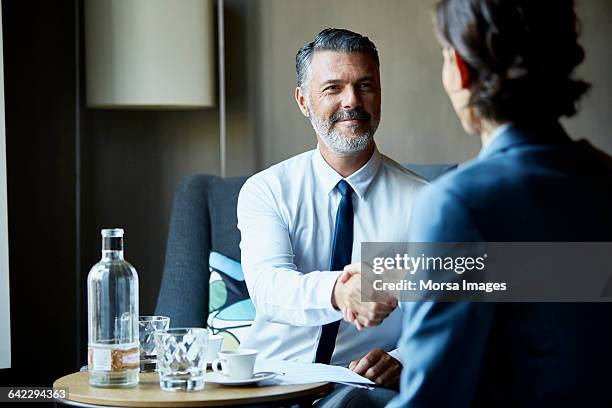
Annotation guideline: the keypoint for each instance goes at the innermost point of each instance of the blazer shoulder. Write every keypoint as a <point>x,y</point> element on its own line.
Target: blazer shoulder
<point>441,214</point>
<point>479,178</point>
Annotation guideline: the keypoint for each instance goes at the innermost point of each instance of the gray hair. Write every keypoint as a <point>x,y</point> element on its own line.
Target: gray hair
<point>332,39</point>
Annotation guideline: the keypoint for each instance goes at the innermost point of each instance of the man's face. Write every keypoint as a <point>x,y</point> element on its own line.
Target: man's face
<point>342,100</point>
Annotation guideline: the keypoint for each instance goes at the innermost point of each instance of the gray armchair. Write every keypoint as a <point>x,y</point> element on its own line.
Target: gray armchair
<point>203,220</point>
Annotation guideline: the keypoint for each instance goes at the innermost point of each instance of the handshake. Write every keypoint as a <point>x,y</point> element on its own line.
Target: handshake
<point>348,297</point>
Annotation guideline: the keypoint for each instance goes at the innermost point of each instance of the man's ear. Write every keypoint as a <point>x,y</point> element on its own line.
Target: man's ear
<point>463,69</point>
<point>300,98</point>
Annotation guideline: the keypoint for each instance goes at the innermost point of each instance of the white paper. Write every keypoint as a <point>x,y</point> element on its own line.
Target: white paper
<point>306,373</point>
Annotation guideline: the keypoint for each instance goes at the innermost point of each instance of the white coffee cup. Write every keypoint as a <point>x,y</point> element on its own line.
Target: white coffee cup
<point>214,346</point>
<point>236,364</point>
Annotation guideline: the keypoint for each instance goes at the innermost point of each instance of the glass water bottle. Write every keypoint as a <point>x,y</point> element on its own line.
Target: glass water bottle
<point>112,299</point>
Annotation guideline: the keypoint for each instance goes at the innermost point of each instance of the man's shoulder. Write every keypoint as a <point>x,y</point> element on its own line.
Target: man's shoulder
<point>395,171</point>
<point>282,174</point>
<point>298,163</point>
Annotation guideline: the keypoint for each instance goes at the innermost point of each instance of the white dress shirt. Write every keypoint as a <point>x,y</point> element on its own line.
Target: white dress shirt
<point>286,217</point>
<point>496,132</point>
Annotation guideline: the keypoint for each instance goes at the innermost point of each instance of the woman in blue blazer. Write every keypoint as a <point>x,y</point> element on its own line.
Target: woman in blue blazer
<point>508,73</point>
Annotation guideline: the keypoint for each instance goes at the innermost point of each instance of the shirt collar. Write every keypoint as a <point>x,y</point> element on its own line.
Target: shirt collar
<point>498,131</point>
<point>359,180</point>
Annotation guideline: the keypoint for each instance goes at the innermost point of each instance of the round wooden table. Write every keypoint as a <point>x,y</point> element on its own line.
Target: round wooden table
<point>148,394</point>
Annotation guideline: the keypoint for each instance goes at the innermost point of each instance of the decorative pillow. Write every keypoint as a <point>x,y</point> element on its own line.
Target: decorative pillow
<point>230,309</point>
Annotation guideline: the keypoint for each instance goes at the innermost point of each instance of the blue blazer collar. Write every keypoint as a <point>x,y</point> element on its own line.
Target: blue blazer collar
<point>550,133</point>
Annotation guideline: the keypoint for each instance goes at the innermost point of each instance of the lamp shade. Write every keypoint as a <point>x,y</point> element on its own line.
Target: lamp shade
<point>149,53</point>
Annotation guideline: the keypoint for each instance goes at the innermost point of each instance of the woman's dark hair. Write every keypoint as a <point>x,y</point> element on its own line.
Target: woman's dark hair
<point>520,54</point>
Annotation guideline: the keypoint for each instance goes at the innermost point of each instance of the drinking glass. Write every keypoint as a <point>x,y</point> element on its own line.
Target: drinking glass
<point>147,326</point>
<point>181,358</point>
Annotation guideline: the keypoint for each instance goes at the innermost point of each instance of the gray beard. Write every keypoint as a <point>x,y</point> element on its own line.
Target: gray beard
<point>339,144</point>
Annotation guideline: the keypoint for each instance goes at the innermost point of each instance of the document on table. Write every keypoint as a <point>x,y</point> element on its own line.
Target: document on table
<point>305,373</point>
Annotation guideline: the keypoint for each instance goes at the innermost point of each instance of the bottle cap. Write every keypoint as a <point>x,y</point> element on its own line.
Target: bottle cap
<point>112,232</point>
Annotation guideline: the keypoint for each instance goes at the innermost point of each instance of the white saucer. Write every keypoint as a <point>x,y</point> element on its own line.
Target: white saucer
<point>217,378</point>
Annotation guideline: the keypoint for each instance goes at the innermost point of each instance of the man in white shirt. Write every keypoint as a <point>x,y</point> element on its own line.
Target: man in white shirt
<point>303,219</point>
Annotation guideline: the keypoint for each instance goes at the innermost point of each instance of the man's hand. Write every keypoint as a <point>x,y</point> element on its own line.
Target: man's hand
<point>354,315</point>
<point>347,297</point>
<point>350,270</point>
<point>379,367</point>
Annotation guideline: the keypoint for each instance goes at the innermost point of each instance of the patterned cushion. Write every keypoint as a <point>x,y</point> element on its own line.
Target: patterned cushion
<point>230,310</point>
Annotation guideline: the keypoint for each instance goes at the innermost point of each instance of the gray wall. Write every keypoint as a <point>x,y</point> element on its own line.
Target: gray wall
<point>134,159</point>
<point>594,121</point>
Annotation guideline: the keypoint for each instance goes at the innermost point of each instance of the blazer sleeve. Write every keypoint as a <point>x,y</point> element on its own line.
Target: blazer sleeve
<point>442,343</point>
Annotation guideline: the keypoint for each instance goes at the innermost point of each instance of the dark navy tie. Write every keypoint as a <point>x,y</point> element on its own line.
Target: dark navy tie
<point>341,256</point>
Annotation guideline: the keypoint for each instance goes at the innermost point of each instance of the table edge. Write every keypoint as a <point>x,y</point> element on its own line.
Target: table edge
<point>315,390</point>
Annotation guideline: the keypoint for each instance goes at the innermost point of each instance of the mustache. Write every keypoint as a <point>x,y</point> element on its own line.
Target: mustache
<point>354,114</point>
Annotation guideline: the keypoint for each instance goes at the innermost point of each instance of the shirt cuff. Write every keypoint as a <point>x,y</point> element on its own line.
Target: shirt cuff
<point>396,355</point>
<point>327,283</point>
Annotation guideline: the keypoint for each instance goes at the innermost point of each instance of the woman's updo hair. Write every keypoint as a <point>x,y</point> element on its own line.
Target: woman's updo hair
<point>520,54</point>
